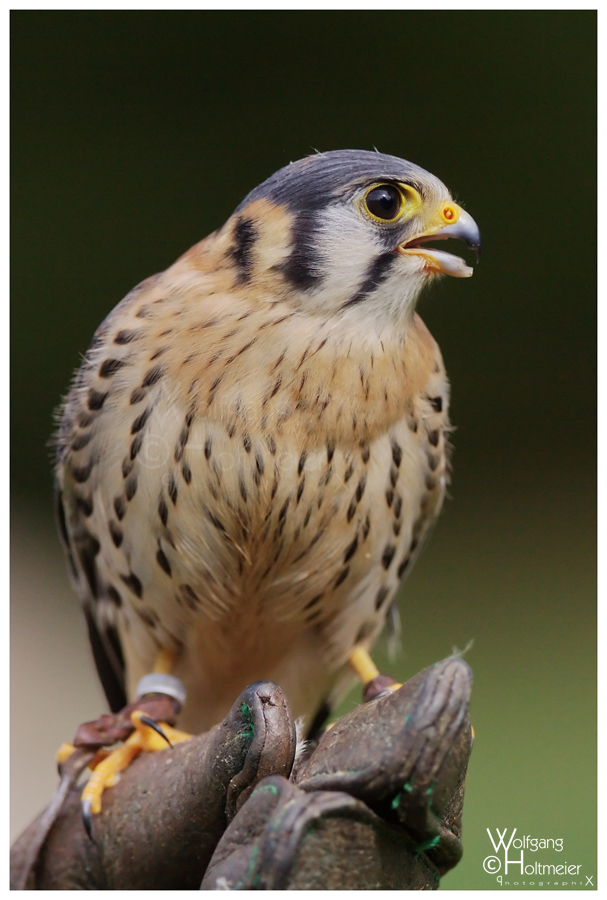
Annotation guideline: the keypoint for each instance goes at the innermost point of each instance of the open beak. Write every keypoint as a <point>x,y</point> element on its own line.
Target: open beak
<point>463,228</point>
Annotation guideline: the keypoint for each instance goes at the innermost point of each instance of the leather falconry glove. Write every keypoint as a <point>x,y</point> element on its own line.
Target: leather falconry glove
<point>375,803</point>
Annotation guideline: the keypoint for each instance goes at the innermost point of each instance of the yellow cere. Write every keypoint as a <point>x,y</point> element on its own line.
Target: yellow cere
<point>450,213</point>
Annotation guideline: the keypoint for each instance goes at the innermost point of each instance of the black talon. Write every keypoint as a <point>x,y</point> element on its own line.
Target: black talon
<point>87,818</point>
<point>147,721</point>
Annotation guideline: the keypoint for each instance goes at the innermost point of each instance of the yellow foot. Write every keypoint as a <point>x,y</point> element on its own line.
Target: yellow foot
<point>148,735</point>
<point>363,665</point>
<point>373,682</point>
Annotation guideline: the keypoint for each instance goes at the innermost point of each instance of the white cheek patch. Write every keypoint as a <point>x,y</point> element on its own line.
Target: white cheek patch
<point>394,300</point>
<point>347,249</point>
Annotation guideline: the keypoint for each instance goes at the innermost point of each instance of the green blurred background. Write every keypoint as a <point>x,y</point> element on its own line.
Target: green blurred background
<point>134,134</point>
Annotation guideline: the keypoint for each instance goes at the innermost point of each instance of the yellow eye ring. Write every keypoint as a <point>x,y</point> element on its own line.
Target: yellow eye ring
<point>384,203</point>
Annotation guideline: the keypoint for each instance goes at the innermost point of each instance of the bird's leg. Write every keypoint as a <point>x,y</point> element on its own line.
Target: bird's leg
<point>146,724</point>
<point>374,684</point>
<point>164,661</point>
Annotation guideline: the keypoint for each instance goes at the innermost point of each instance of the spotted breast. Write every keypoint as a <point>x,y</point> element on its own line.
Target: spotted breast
<point>245,473</point>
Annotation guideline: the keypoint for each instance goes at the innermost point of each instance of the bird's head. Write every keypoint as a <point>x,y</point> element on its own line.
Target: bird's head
<point>349,230</point>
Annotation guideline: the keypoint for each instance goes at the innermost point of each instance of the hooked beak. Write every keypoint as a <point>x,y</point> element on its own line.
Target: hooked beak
<point>437,261</point>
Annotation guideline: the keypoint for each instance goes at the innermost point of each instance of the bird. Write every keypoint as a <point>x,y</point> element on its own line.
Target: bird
<point>257,441</point>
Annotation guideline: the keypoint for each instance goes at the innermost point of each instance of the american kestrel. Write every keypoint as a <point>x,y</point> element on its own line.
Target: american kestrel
<point>255,444</point>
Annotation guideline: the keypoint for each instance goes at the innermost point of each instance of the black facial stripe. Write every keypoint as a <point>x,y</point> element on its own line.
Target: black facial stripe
<point>378,272</point>
<point>245,235</point>
<point>87,548</point>
<point>391,237</point>
<point>302,267</point>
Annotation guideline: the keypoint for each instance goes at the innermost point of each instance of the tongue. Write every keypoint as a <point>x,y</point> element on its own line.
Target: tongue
<point>443,262</point>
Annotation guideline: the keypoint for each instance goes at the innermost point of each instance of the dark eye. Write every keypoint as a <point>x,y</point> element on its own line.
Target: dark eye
<point>384,202</point>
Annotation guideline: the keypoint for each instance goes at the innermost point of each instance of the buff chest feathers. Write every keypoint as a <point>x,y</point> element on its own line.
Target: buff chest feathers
<point>255,445</point>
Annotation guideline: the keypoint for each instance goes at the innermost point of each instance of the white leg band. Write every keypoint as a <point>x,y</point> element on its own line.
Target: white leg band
<point>160,683</point>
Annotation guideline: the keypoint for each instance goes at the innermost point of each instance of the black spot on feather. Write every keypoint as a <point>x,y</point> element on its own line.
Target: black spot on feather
<point>342,576</point>
<point>96,399</point>
<point>87,548</point>
<point>189,595</point>
<point>154,375</point>
<point>162,561</point>
<point>259,462</point>
<point>217,523</point>
<point>125,337</point>
<point>163,512</point>
<point>398,505</point>
<point>137,396</point>
<point>130,488</point>
<point>61,520</point>
<point>172,488</point>
<point>388,555</point>
<point>184,436</point>
<point>81,441</point>
<point>116,533</point>
<point>119,507</point>
<point>133,583</point>
<point>85,420</point>
<point>141,420</point>
<point>360,488</point>
<point>109,367</point>
<point>403,566</point>
<point>300,489</point>
<point>381,596</point>
<point>397,453</point>
<point>136,445</point>
<point>314,601</point>
<point>84,505</point>
<point>82,473</point>
<point>351,550</point>
<point>113,595</point>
